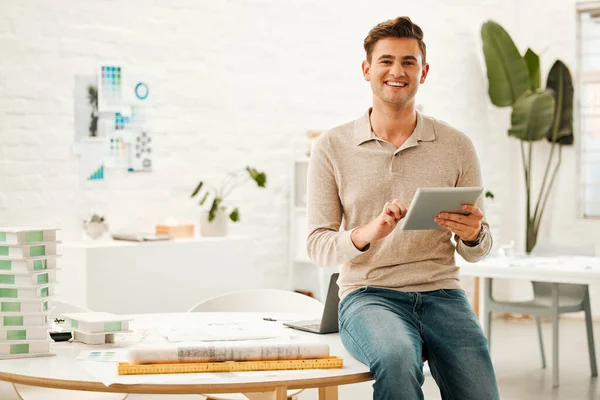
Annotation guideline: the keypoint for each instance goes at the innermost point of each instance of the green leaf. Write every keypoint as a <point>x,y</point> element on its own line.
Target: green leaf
<point>204,198</point>
<point>532,116</point>
<point>235,215</point>
<point>532,60</point>
<point>506,70</point>
<point>259,177</point>
<point>560,82</point>
<point>197,188</point>
<point>213,208</point>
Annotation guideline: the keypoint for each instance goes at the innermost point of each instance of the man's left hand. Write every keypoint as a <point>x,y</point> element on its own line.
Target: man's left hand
<point>467,227</point>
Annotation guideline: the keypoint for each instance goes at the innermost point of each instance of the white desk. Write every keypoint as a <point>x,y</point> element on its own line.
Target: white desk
<point>559,269</point>
<point>164,276</point>
<point>563,269</point>
<point>63,372</point>
<point>555,270</point>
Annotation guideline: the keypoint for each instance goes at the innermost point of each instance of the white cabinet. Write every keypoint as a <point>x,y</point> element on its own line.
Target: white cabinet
<point>304,275</point>
<point>154,277</point>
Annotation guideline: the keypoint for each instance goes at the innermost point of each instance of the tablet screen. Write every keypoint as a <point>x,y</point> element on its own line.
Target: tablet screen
<point>429,202</point>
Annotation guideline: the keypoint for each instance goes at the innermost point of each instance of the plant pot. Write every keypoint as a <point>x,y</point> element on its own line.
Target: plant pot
<point>216,227</point>
<point>95,230</point>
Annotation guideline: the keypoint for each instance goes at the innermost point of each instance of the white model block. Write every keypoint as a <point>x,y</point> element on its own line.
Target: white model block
<point>23,347</point>
<point>27,235</point>
<point>26,293</point>
<point>28,279</point>
<point>28,250</point>
<point>23,320</point>
<point>23,333</point>
<point>31,264</point>
<point>93,338</point>
<point>24,306</point>
<point>96,322</point>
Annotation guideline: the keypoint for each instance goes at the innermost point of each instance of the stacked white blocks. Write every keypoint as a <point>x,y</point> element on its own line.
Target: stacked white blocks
<point>27,283</point>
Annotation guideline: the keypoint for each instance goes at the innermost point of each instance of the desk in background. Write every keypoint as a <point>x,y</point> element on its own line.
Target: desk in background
<point>164,276</point>
<point>559,269</point>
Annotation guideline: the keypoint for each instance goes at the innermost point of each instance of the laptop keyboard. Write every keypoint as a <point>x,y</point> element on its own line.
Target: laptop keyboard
<point>312,326</point>
<point>309,324</point>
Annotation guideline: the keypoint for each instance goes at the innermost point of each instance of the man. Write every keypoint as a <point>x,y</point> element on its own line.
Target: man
<point>401,298</point>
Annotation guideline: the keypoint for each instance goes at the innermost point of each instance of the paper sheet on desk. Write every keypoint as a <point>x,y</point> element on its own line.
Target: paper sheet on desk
<point>223,332</point>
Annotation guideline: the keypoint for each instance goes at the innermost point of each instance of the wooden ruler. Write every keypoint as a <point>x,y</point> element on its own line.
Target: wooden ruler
<point>229,366</point>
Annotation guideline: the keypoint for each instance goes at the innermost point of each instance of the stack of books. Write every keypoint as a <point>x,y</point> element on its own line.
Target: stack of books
<point>96,327</point>
<point>27,283</point>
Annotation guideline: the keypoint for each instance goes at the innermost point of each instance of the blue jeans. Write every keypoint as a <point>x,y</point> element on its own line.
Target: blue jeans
<point>390,331</point>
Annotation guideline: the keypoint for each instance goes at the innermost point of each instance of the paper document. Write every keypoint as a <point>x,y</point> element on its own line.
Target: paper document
<point>228,351</point>
<point>223,332</point>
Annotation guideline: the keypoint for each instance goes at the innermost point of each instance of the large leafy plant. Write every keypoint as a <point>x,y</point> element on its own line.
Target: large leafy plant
<point>218,196</point>
<point>537,113</point>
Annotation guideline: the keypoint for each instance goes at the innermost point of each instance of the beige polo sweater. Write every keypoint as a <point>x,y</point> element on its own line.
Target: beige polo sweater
<point>351,175</point>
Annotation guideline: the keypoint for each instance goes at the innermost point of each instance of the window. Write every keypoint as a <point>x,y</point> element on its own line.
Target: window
<point>588,104</point>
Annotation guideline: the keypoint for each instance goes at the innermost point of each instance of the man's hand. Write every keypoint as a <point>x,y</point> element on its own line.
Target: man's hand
<point>381,226</point>
<point>467,227</point>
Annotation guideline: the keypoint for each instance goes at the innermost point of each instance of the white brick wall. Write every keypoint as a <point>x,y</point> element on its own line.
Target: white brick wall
<point>234,83</point>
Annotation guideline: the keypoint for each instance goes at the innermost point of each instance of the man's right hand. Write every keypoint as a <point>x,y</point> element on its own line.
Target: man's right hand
<point>381,226</point>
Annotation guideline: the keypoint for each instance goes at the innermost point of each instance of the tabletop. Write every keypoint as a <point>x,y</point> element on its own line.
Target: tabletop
<point>64,371</point>
<point>559,269</point>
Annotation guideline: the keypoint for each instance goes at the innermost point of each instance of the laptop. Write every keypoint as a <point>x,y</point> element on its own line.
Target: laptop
<point>329,322</point>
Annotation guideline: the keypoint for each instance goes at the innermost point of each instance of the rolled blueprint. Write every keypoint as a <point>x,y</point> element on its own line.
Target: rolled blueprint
<point>223,351</point>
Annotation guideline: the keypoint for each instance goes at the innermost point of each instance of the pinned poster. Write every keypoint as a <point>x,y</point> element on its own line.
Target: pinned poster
<point>112,123</point>
<point>93,154</point>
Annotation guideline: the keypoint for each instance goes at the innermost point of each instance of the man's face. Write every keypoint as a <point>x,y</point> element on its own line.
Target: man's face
<point>396,70</point>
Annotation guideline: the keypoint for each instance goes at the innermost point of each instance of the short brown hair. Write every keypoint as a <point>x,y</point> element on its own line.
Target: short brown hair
<point>399,27</point>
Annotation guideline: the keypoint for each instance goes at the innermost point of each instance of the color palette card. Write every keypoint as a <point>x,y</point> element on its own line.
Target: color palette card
<point>115,355</point>
<point>110,90</point>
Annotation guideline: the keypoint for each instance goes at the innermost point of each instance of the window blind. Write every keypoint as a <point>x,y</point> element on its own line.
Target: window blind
<point>588,105</point>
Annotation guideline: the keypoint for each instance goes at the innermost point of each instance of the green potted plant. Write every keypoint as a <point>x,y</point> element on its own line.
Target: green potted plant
<point>93,100</point>
<point>537,113</point>
<point>213,221</point>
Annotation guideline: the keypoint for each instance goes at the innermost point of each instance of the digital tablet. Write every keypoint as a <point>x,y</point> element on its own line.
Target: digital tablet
<point>429,202</point>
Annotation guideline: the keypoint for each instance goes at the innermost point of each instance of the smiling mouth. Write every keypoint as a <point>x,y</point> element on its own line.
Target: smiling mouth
<point>396,84</point>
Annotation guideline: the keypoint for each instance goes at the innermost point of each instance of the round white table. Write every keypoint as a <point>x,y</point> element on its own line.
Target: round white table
<point>63,371</point>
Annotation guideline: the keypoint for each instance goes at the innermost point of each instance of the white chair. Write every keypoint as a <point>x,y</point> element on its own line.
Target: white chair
<point>571,298</point>
<point>25,392</point>
<point>259,300</point>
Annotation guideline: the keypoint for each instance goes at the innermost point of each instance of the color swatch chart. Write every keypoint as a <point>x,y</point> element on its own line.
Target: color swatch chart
<point>118,156</point>
<point>121,121</point>
<point>110,87</point>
